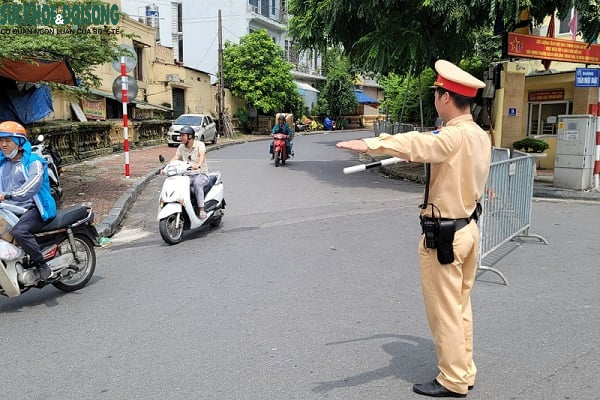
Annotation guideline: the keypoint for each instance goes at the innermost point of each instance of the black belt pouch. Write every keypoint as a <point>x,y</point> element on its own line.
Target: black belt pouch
<point>445,250</point>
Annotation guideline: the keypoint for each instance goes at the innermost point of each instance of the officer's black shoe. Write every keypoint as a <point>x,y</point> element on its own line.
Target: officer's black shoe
<point>434,389</point>
<point>45,271</point>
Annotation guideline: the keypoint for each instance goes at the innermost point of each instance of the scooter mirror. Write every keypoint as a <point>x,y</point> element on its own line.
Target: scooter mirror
<point>161,158</point>
<point>40,138</point>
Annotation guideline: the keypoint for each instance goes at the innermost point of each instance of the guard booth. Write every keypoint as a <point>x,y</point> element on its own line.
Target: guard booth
<point>575,151</point>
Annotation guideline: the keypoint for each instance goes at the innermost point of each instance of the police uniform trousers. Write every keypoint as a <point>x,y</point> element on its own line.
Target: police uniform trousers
<point>447,290</point>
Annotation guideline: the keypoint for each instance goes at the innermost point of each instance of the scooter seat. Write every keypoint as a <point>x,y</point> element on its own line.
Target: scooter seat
<point>65,217</point>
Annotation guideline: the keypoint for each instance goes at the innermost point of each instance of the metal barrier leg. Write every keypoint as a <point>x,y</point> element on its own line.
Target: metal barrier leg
<point>538,237</point>
<point>482,268</point>
<point>526,234</point>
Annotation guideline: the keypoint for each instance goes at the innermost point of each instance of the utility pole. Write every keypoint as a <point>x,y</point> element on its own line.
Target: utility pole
<point>220,88</point>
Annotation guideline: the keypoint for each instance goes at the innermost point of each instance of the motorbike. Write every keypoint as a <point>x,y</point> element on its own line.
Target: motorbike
<point>54,161</point>
<point>67,243</point>
<point>279,149</point>
<point>303,126</point>
<point>177,205</point>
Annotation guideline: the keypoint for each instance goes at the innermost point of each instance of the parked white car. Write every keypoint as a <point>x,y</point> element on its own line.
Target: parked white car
<point>204,125</point>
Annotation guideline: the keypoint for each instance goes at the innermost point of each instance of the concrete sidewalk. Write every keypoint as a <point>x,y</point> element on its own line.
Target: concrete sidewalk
<point>102,183</point>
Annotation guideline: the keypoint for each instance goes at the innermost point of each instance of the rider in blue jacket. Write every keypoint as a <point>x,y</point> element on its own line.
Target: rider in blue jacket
<point>24,182</point>
<point>282,127</point>
<point>328,124</point>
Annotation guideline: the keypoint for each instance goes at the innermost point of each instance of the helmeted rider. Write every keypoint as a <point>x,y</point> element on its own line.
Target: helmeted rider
<point>328,124</point>
<point>24,182</point>
<point>194,151</point>
<point>282,127</point>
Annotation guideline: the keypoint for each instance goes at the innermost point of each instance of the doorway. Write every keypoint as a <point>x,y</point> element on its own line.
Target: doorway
<point>178,102</point>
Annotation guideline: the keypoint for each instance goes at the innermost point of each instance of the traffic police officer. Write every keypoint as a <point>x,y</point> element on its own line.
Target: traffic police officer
<point>458,155</point>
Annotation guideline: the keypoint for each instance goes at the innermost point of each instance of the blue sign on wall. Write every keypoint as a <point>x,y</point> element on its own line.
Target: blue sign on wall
<point>587,77</point>
<point>512,112</point>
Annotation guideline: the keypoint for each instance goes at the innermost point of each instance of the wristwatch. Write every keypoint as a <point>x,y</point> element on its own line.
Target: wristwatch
<point>7,196</point>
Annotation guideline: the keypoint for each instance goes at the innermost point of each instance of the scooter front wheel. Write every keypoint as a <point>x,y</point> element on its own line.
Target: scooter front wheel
<point>277,158</point>
<point>171,228</point>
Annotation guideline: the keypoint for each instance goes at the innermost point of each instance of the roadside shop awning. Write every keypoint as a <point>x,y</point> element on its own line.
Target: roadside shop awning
<point>150,106</point>
<point>38,71</point>
<point>364,99</point>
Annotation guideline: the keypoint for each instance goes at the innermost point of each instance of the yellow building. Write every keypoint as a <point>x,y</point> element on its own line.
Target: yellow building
<point>165,89</point>
<point>529,98</point>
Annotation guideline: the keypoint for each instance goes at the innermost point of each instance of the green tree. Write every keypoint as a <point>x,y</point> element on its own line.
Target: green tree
<point>396,36</point>
<point>406,95</point>
<point>82,50</point>
<point>255,71</point>
<point>508,10</point>
<point>382,36</point>
<point>337,96</point>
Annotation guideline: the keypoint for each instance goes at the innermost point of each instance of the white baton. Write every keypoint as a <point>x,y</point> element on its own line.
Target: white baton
<point>381,163</point>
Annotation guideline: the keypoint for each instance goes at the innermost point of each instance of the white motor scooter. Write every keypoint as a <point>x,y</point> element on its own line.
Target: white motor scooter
<point>177,208</point>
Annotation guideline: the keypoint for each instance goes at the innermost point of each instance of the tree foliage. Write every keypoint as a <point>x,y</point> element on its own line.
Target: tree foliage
<point>385,35</point>
<point>403,94</point>
<point>81,49</point>
<point>337,96</point>
<point>254,70</point>
<point>396,36</point>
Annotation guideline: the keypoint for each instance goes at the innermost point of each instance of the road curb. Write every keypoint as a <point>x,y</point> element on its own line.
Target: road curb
<point>109,224</point>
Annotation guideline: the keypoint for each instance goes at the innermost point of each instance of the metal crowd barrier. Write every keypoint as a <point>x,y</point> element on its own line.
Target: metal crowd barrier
<point>391,128</point>
<point>507,203</point>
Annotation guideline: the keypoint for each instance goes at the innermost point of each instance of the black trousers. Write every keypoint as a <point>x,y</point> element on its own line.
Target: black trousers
<point>24,230</point>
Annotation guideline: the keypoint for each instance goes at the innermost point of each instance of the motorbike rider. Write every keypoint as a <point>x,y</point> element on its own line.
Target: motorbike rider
<point>194,151</point>
<point>328,124</point>
<point>282,127</point>
<point>24,182</point>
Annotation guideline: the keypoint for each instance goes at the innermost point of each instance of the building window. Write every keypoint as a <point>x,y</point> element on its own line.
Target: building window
<point>543,117</point>
<point>264,8</point>
<point>180,48</point>
<point>138,72</point>
<point>179,17</point>
<point>563,25</point>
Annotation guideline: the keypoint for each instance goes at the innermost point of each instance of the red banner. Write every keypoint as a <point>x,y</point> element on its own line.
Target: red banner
<point>546,95</point>
<point>544,48</point>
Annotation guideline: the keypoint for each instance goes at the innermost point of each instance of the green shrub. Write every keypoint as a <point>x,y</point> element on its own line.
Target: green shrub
<point>531,145</point>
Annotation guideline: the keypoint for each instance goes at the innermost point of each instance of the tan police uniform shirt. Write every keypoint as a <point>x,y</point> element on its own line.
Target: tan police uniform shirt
<point>459,154</point>
<point>193,155</point>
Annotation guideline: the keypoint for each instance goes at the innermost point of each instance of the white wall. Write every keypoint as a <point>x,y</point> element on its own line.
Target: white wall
<point>200,31</point>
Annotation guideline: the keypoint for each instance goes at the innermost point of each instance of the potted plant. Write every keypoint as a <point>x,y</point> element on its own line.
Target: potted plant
<point>531,145</point>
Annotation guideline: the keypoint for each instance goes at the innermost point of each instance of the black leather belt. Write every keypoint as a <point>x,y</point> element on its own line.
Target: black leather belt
<point>458,223</point>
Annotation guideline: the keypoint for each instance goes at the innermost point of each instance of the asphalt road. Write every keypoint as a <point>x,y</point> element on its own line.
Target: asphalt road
<point>308,290</point>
